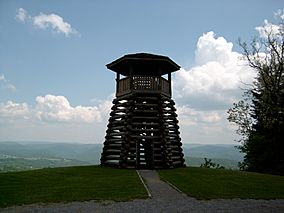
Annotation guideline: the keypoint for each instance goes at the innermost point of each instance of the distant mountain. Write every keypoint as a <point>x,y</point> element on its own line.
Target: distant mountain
<point>224,155</point>
<point>197,161</point>
<point>221,151</point>
<point>16,156</point>
<point>83,152</point>
<point>13,163</point>
<point>33,155</point>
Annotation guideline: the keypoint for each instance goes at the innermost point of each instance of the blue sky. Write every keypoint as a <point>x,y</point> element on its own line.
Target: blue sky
<point>54,84</point>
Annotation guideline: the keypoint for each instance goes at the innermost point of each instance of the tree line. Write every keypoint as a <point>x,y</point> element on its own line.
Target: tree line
<point>260,114</point>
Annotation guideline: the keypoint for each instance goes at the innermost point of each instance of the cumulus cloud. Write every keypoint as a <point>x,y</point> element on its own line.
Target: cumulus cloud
<point>214,83</point>
<point>21,15</point>
<point>51,108</point>
<point>55,22</point>
<point>58,108</point>
<point>269,28</point>
<point>12,110</point>
<point>211,49</point>
<point>189,116</point>
<point>47,21</point>
<point>199,126</point>
<point>205,91</point>
<point>53,118</point>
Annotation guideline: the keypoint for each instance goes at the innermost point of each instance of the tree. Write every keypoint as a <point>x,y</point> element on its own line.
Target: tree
<point>260,116</point>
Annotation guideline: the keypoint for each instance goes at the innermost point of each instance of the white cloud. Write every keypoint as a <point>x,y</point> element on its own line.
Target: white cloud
<point>53,118</point>
<point>271,29</point>
<point>55,22</point>
<point>47,21</point>
<point>51,108</point>
<point>268,29</point>
<point>193,117</point>
<point>11,87</point>
<point>21,15</point>
<point>12,110</point>
<point>205,91</point>
<point>5,85</point>
<point>279,14</point>
<point>58,108</point>
<point>214,83</point>
<point>199,126</point>
<point>211,49</point>
<point>2,77</point>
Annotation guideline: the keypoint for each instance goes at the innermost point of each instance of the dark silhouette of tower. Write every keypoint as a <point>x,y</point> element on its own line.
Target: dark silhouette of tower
<point>143,129</point>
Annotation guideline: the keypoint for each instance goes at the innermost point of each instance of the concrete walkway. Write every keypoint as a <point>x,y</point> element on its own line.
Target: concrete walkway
<point>163,199</point>
<point>168,199</point>
<point>160,190</point>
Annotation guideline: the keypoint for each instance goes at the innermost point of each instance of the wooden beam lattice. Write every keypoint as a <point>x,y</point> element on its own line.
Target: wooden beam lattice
<point>143,133</point>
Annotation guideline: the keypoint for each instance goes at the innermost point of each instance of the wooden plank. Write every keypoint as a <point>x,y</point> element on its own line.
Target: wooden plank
<point>116,128</point>
<point>109,137</point>
<point>146,111</point>
<point>145,98</point>
<point>112,157</point>
<point>116,134</point>
<point>116,123</point>
<point>145,130</point>
<point>144,118</point>
<point>114,140</point>
<point>145,137</point>
<point>178,163</point>
<point>146,105</point>
<point>145,124</point>
<point>176,157</point>
<point>107,153</point>
<point>115,117</point>
<point>114,112</point>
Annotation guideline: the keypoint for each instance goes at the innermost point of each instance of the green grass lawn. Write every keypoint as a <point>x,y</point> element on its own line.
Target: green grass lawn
<point>101,183</point>
<point>69,184</point>
<point>204,183</point>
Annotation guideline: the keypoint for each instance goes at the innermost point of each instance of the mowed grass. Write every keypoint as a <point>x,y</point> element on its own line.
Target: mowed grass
<point>69,184</point>
<point>204,183</point>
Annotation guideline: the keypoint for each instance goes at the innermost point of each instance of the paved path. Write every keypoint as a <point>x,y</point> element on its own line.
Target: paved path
<point>164,199</point>
<point>160,190</point>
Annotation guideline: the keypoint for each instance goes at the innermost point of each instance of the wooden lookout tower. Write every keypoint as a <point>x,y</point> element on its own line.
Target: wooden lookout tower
<point>143,129</point>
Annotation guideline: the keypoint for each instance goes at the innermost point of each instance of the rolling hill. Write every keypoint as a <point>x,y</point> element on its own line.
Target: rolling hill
<point>16,156</point>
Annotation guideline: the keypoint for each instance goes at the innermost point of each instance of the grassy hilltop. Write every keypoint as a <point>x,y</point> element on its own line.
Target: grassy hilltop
<point>99,183</point>
<point>204,183</point>
<point>69,184</point>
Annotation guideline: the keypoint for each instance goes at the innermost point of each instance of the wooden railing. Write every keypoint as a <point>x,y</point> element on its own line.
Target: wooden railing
<point>146,84</point>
